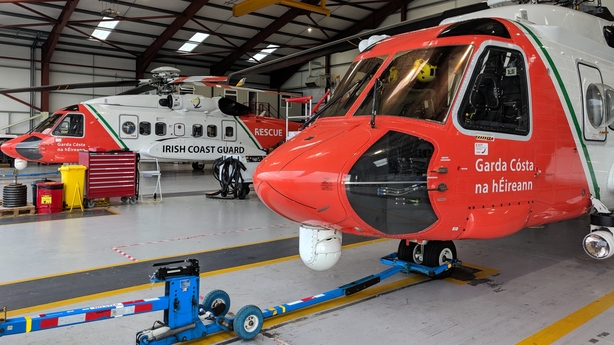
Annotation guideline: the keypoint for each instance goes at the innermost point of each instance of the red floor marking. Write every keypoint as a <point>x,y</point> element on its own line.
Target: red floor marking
<point>117,250</point>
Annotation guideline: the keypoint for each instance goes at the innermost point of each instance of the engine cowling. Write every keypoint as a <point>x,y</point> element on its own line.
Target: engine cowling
<point>320,248</point>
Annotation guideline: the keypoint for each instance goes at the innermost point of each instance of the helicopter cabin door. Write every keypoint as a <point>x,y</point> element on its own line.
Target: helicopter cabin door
<point>128,125</point>
<point>593,123</point>
<point>229,130</point>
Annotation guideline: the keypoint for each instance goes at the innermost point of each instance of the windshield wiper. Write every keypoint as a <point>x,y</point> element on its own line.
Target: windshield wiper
<point>355,86</point>
<point>374,104</point>
<point>326,106</point>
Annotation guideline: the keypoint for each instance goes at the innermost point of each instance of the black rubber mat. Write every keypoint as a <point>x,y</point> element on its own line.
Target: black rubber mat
<point>46,290</point>
<point>76,213</point>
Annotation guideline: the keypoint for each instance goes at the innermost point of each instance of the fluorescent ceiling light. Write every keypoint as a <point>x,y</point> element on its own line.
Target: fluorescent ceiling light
<point>264,53</point>
<point>104,28</point>
<point>193,42</point>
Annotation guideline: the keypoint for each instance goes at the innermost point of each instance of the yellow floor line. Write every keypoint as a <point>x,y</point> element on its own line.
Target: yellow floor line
<point>559,329</point>
<point>274,321</point>
<point>271,322</point>
<point>83,299</point>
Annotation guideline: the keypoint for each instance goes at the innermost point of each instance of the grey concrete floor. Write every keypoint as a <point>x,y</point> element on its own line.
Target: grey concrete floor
<point>536,287</point>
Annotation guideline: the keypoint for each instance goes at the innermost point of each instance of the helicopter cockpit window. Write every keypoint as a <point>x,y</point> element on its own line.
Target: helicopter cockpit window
<point>419,84</point>
<point>160,128</point>
<point>46,125</point>
<point>70,126</point>
<point>497,99</point>
<point>144,128</point>
<point>600,105</point>
<point>354,82</point>
<point>211,131</point>
<point>197,130</point>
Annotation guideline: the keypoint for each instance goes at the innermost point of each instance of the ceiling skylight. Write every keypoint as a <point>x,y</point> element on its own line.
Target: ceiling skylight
<point>104,28</point>
<point>264,53</point>
<point>193,42</point>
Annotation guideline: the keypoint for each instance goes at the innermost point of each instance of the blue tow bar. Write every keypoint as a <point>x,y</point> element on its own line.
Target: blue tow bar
<point>187,319</point>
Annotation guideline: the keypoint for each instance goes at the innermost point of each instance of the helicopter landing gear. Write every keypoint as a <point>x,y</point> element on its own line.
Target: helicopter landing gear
<point>198,166</point>
<point>431,254</point>
<point>411,253</point>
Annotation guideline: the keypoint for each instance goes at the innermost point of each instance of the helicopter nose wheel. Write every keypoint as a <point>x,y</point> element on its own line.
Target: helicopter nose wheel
<point>432,254</point>
<point>411,253</point>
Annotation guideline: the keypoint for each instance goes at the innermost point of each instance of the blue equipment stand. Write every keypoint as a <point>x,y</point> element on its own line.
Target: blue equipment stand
<point>185,319</point>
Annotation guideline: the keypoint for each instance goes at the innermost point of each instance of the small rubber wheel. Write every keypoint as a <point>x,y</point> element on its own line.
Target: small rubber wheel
<point>90,203</point>
<point>217,302</point>
<point>132,200</point>
<point>248,322</point>
<point>124,198</point>
<point>198,166</point>
<point>410,253</point>
<point>244,191</point>
<point>436,253</point>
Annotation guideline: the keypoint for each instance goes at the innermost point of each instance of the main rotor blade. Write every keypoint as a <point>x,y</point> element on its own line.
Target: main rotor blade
<point>138,90</point>
<point>60,87</point>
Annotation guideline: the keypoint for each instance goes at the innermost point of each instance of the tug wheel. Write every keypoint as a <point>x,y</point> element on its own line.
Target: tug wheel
<point>248,322</point>
<point>436,253</point>
<point>217,302</point>
<point>411,253</point>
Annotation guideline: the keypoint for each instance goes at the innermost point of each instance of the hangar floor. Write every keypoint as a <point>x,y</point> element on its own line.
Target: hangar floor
<point>535,287</point>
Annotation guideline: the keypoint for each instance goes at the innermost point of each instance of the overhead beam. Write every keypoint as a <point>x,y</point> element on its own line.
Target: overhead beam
<point>223,66</point>
<point>249,6</point>
<point>290,62</point>
<point>143,61</point>
<point>49,47</point>
<point>372,21</point>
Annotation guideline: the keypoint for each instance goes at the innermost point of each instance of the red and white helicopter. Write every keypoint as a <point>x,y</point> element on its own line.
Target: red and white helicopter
<point>167,126</point>
<point>475,129</point>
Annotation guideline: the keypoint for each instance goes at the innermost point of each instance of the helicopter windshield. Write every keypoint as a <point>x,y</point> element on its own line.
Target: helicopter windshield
<point>352,85</point>
<point>48,123</point>
<point>419,83</point>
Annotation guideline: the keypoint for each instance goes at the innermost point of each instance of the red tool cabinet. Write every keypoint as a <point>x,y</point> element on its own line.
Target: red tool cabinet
<point>109,174</point>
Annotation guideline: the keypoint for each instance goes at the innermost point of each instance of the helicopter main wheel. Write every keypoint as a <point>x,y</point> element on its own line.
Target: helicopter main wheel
<point>198,166</point>
<point>411,253</point>
<point>244,191</point>
<point>436,253</point>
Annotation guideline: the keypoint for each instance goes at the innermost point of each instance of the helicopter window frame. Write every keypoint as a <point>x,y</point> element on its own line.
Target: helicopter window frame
<point>144,128</point>
<point>74,126</point>
<point>229,132</point>
<point>419,83</point>
<point>160,128</point>
<point>496,97</point>
<point>212,131</point>
<point>197,130</point>
<point>128,127</point>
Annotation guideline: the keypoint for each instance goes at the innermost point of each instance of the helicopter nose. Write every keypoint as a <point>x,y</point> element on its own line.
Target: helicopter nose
<point>27,149</point>
<point>302,179</point>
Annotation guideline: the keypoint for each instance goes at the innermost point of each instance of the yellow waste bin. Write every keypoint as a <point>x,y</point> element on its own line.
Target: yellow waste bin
<point>73,177</point>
